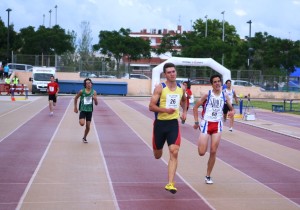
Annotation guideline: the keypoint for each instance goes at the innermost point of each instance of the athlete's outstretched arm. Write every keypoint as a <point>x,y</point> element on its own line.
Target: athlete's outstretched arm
<point>195,110</point>
<point>95,98</point>
<point>183,103</point>
<point>75,101</point>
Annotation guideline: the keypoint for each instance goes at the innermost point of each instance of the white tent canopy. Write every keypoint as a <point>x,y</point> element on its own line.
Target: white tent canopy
<point>179,61</point>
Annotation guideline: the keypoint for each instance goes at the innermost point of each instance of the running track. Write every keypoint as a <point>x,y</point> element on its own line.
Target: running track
<point>44,164</point>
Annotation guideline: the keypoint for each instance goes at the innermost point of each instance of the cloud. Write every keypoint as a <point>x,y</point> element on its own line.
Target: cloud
<point>240,12</point>
<point>278,19</point>
<point>296,2</point>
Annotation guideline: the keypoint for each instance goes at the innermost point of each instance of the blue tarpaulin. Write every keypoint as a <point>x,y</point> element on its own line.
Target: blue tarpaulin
<point>296,73</point>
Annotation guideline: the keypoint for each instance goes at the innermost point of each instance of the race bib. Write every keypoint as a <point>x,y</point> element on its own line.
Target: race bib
<point>51,89</point>
<point>214,114</point>
<point>173,101</point>
<point>87,100</point>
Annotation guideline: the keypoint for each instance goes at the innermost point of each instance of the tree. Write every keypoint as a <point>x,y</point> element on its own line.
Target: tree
<point>272,54</point>
<point>47,41</point>
<point>169,43</point>
<point>195,44</point>
<point>69,58</point>
<point>85,44</point>
<point>213,45</point>
<point>137,48</point>
<point>3,40</point>
<point>119,44</point>
<point>112,42</point>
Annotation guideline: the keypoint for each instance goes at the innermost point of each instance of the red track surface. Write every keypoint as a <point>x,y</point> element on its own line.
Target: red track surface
<point>141,185</point>
<point>278,177</point>
<point>21,152</point>
<point>138,179</point>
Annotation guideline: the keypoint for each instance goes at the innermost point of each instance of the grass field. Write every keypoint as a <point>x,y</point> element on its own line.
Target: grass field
<point>268,105</point>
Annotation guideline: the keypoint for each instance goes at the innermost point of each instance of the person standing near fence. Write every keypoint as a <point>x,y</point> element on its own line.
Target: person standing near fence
<point>15,80</point>
<point>7,80</point>
<point>165,102</point>
<point>52,89</point>
<point>87,96</point>
<point>6,70</point>
<point>232,95</point>
<point>1,72</point>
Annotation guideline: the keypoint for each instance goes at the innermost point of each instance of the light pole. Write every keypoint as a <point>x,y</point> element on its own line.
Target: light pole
<point>249,28</point>
<point>8,11</point>
<point>206,26</point>
<point>43,19</point>
<point>55,14</point>
<point>249,44</point>
<point>223,36</point>
<point>50,18</point>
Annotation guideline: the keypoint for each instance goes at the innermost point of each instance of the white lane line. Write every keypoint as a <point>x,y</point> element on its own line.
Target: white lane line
<point>22,123</point>
<point>106,169</point>
<point>41,161</point>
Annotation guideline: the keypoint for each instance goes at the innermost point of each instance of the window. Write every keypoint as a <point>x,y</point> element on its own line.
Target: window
<point>153,41</point>
<point>42,77</point>
<point>20,67</point>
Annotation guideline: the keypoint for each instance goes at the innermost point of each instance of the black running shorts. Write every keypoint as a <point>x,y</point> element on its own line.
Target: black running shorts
<point>165,130</point>
<point>52,97</point>
<point>225,109</point>
<point>85,115</point>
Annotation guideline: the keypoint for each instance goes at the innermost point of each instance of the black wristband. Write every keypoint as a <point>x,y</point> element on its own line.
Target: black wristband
<point>196,123</point>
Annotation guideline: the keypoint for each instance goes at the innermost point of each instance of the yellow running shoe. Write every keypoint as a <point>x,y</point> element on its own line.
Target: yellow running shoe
<point>170,187</point>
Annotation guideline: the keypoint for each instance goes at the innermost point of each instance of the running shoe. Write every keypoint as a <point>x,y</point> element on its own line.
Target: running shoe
<point>208,180</point>
<point>84,140</point>
<point>231,129</point>
<point>51,113</point>
<point>171,188</point>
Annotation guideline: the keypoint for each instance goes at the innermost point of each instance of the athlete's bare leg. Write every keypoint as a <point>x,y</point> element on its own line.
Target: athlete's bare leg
<point>215,140</point>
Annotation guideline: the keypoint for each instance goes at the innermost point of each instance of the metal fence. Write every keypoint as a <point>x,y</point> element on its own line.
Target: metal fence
<point>107,66</point>
<point>255,77</point>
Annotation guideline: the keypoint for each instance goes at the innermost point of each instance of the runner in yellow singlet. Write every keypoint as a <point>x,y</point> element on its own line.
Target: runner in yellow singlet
<point>165,102</point>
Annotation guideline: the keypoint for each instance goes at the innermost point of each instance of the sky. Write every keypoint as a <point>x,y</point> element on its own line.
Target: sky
<point>279,18</point>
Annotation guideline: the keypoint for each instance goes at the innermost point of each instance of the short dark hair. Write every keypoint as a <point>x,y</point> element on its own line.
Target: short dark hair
<point>87,79</point>
<point>214,76</point>
<point>168,65</point>
<point>228,81</point>
<point>188,84</point>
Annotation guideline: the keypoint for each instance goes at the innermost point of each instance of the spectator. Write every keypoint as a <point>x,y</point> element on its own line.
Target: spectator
<point>1,72</point>
<point>15,80</point>
<point>6,70</point>
<point>7,80</point>
<point>7,83</point>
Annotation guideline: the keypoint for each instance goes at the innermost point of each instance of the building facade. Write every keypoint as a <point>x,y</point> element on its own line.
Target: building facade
<point>155,37</point>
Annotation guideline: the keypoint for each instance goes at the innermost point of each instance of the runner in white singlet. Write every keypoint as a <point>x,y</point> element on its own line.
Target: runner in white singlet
<point>232,95</point>
<point>211,124</point>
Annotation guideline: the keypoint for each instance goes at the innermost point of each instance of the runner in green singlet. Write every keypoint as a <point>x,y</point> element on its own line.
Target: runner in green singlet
<point>87,96</point>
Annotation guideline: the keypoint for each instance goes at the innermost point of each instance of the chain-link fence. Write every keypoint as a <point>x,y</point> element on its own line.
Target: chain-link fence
<point>107,67</point>
<point>254,77</point>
